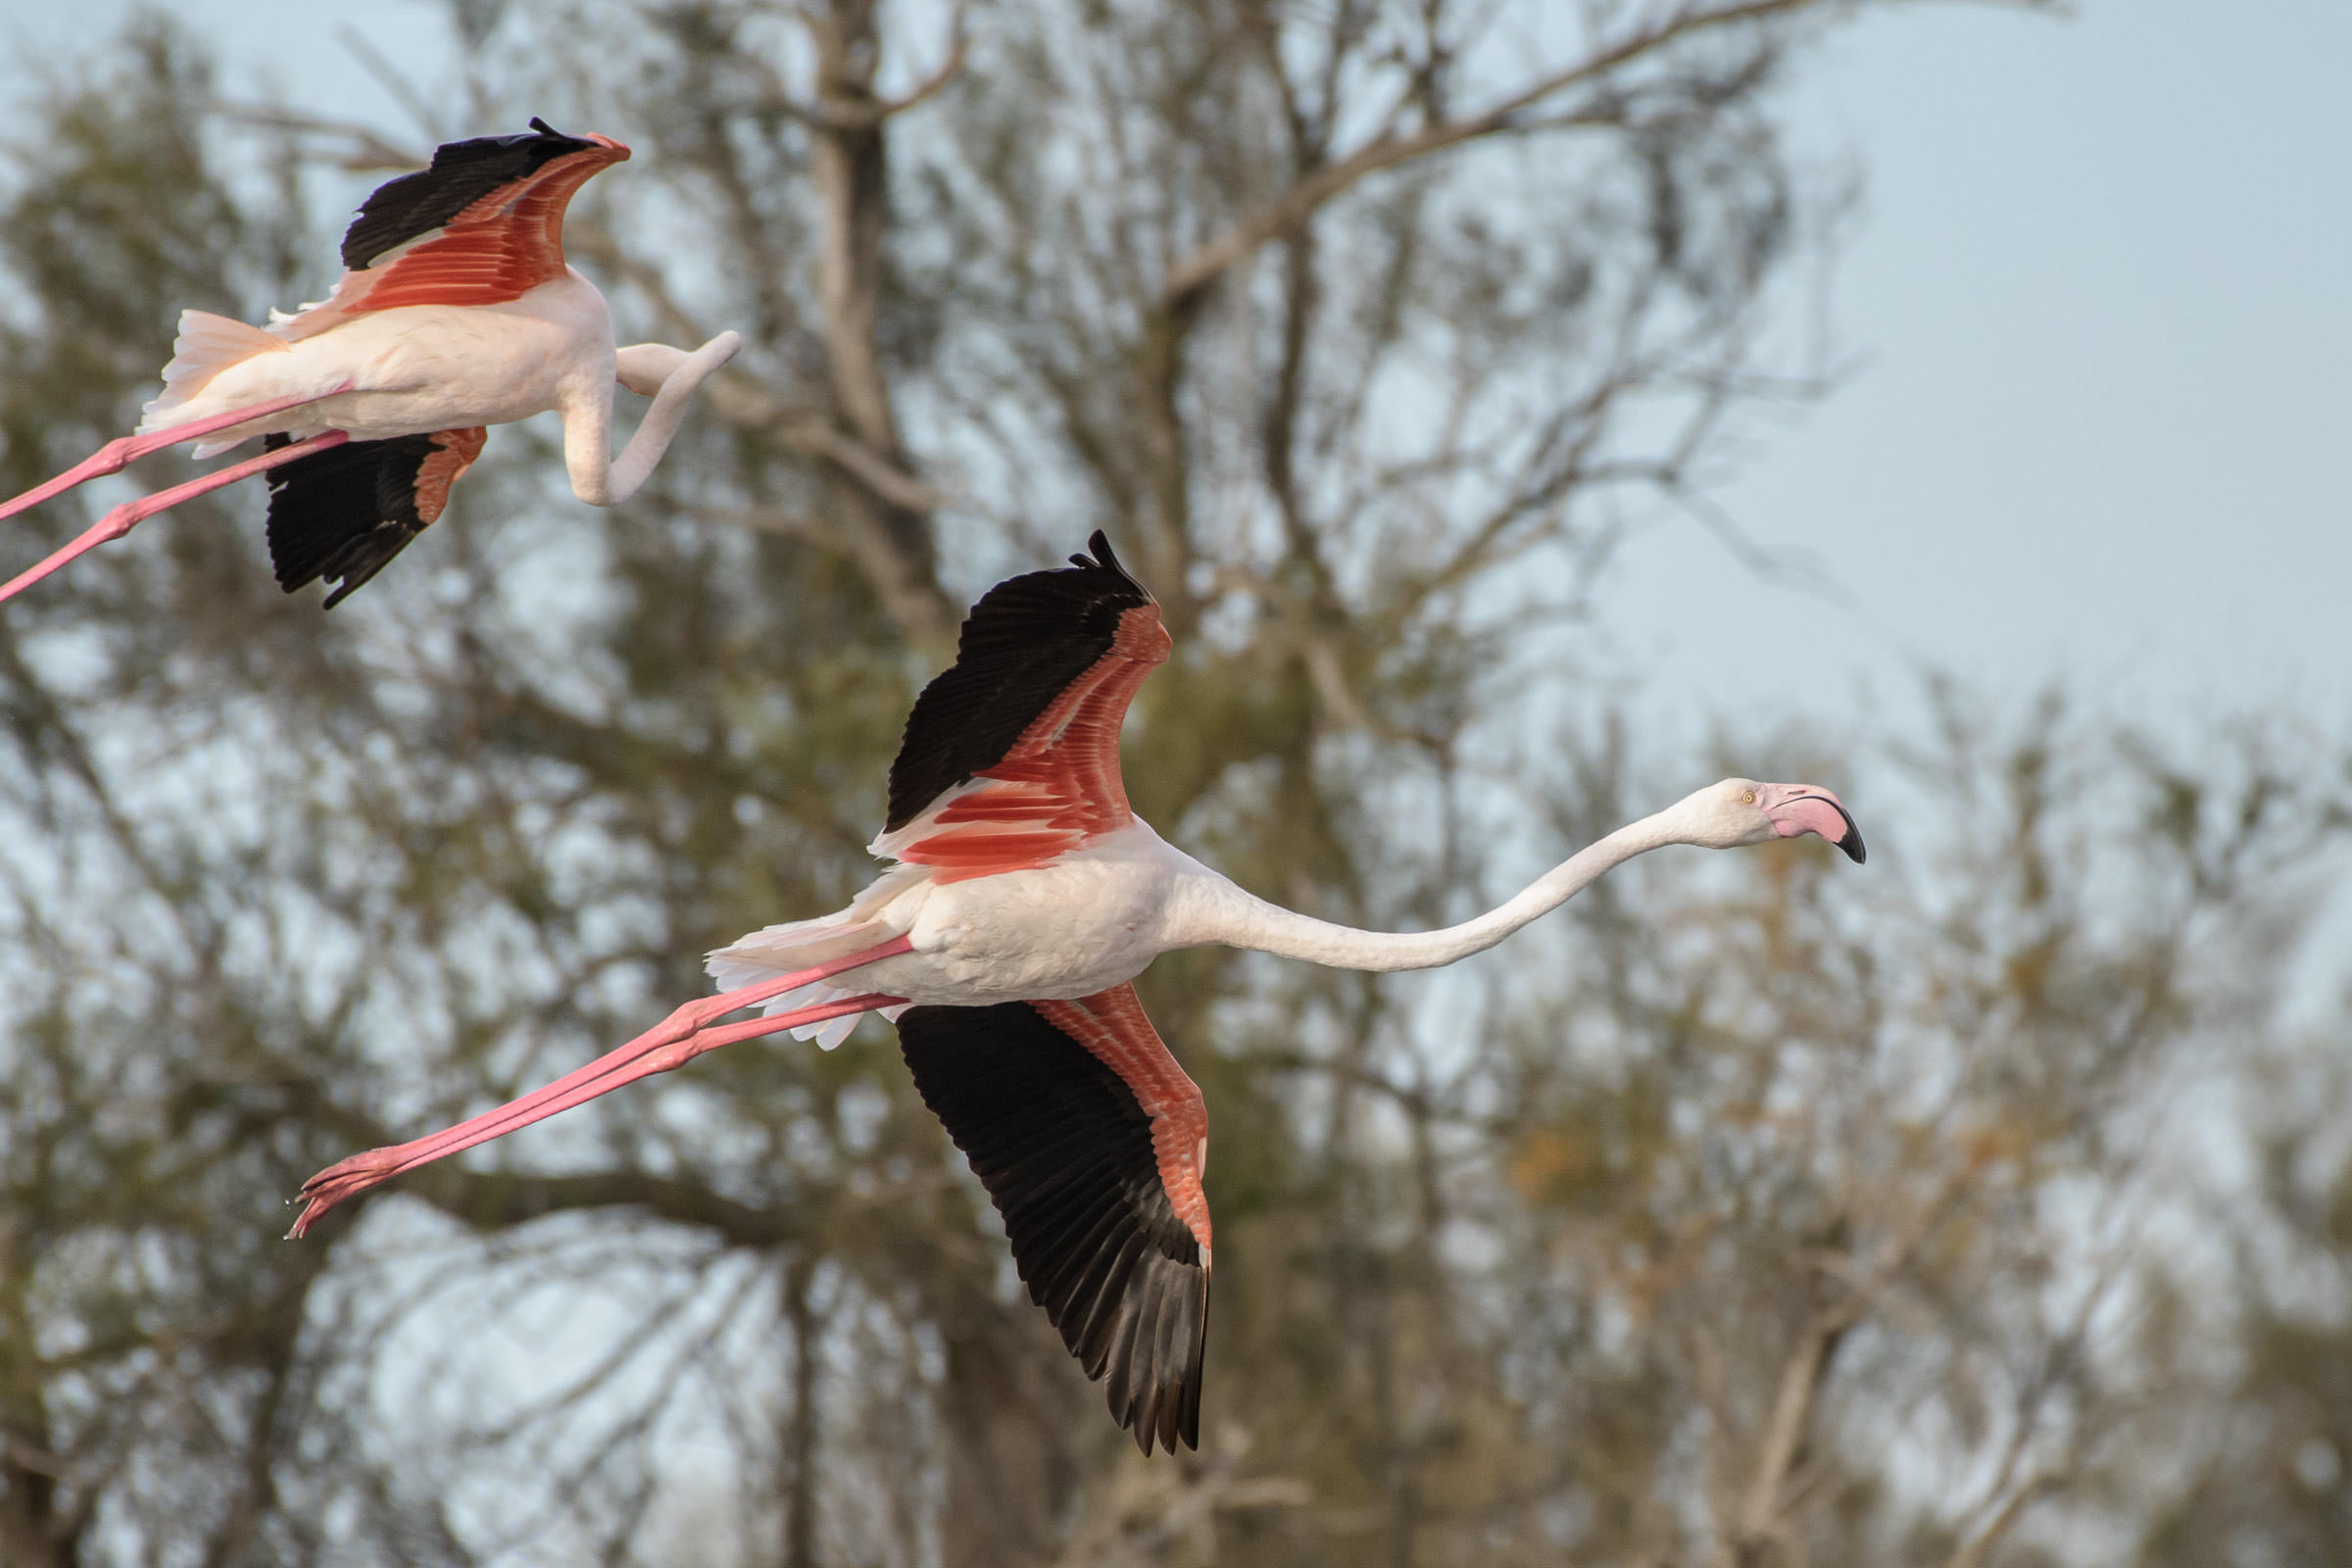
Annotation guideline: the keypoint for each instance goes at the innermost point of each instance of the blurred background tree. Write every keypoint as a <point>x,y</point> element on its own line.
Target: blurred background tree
<point>1747,1215</point>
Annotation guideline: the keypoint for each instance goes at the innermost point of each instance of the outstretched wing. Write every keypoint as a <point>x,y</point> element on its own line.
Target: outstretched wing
<point>1012,754</point>
<point>484,224</point>
<point>1091,1141</point>
<point>345,511</point>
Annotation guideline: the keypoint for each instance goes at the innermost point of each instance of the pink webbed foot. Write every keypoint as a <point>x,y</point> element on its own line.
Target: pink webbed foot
<point>346,1178</point>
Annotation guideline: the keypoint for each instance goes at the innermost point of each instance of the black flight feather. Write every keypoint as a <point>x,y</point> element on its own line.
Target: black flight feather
<point>1021,647</point>
<point>342,513</point>
<point>1066,1152</point>
<point>463,172</point>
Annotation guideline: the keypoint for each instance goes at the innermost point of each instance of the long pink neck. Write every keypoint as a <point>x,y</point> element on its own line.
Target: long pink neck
<point>1211,910</point>
<point>588,421</point>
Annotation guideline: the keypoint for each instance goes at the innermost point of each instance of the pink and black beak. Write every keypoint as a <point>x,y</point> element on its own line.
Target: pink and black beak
<point>1796,809</point>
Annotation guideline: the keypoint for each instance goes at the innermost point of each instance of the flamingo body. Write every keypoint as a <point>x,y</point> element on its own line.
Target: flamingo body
<point>1091,918</point>
<point>1026,899</point>
<point>411,371</point>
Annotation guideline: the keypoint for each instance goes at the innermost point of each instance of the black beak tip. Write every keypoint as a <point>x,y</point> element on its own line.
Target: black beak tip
<point>1851,844</point>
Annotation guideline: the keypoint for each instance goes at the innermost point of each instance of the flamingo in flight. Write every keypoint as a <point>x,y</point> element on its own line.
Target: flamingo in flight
<point>1025,900</point>
<point>455,311</point>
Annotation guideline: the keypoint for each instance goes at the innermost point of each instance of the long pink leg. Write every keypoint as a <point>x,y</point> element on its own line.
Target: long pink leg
<point>678,1038</point>
<point>119,453</point>
<point>119,521</point>
<point>350,1177</point>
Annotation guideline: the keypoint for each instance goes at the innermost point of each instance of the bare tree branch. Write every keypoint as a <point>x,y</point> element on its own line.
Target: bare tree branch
<point>367,149</point>
<point>1293,206</point>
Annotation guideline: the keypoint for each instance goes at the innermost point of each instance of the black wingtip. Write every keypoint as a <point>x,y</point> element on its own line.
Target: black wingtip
<point>463,172</point>
<point>1099,556</point>
<point>1066,1154</point>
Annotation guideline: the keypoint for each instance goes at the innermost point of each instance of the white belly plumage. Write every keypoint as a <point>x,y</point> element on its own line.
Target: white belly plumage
<point>1080,924</point>
<point>422,367</point>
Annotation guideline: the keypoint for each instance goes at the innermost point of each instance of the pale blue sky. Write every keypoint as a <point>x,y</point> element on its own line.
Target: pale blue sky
<point>2102,292</point>
<point>2097,303</point>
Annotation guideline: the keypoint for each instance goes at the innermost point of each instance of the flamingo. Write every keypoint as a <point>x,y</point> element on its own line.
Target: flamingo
<point>455,311</point>
<point>1025,899</point>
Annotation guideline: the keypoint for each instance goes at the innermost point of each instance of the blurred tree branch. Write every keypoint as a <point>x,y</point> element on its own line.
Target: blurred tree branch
<point>1189,278</point>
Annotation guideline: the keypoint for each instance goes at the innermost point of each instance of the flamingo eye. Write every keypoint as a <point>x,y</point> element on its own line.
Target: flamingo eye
<point>1749,798</point>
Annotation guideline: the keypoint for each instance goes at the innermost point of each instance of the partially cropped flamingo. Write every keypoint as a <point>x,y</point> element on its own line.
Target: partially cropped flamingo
<point>456,311</point>
<point>1027,898</point>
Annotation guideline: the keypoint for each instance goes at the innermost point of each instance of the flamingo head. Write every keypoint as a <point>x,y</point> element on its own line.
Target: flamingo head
<point>1742,811</point>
